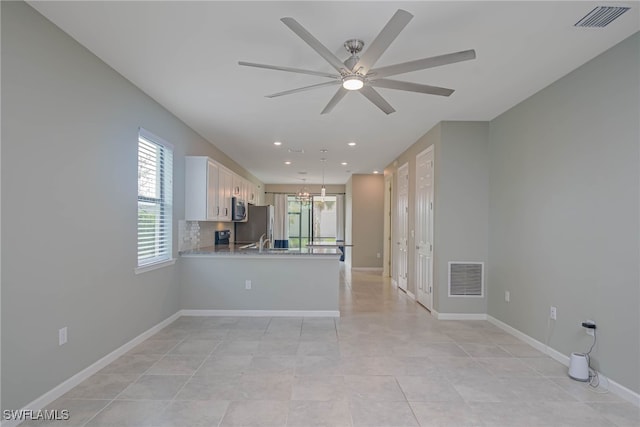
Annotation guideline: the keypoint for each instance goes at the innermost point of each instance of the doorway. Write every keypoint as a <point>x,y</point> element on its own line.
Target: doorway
<point>313,221</point>
<point>424,228</point>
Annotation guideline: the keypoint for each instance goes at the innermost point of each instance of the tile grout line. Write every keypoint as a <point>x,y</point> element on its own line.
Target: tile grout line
<point>173,399</point>
<point>137,379</point>
<point>415,417</point>
<point>139,376</point>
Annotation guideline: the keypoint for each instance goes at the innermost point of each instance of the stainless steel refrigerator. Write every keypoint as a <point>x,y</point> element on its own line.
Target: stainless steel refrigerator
<point>259,221</point>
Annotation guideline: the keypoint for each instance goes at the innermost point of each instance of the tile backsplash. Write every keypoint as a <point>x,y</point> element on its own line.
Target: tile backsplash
<point>198,234</point>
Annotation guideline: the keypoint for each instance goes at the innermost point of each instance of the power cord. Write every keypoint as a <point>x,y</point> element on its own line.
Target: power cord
<point>594,378</point>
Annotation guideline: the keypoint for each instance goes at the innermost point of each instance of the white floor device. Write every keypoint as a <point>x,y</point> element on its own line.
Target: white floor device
<point>579,367</point>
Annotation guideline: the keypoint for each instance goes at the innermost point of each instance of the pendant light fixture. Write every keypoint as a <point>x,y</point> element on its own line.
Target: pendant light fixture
<point>323,190</point>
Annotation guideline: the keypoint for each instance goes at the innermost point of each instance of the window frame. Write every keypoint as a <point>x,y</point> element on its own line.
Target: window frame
<point>164,203</point>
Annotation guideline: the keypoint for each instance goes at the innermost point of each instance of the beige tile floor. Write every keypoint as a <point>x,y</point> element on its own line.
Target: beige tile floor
<point>384,362</point>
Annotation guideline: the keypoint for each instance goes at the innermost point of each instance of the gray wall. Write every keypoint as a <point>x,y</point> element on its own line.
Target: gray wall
<point>460,205</point>
<point>69,191</point>
<point>348,221</point>
<point>564,214</point>
<point>367,220</point>
<point>461,217</point>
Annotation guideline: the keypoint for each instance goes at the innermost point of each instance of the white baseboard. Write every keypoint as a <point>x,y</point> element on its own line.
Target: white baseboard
<point>614,387</point>
<point>380,269</point>
<point>411,295</point>
<point>65,386</point>
<point>262,313</point>
<point>461,316</point>
<point>434,313</point>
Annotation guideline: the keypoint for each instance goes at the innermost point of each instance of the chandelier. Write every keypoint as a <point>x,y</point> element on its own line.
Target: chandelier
<point>303,196</point>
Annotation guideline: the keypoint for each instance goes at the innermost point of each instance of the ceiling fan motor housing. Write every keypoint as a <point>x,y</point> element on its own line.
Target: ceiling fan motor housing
<point>354,46</point>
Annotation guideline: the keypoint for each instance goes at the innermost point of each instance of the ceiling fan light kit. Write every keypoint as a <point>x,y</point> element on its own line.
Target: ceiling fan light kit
<point>353,82</point>
<point>358,74</point>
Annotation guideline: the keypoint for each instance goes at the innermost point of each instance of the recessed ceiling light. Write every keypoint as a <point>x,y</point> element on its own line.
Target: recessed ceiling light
<point>376,172</point>
<point>351,144</point>
<point>344,163</point>
<point>287,162</point>
<point>277,143</point>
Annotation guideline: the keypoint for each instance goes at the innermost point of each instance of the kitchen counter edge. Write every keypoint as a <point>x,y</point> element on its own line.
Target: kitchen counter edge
<point>234,250</point>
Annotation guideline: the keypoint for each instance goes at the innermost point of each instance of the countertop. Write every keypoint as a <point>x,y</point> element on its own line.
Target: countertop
<point>238,250</point>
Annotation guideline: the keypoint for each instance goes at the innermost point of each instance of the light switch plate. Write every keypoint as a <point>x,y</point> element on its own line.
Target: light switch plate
<point>62,336</point>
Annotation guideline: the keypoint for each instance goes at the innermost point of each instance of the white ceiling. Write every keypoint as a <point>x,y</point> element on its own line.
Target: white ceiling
<point>185,54</point>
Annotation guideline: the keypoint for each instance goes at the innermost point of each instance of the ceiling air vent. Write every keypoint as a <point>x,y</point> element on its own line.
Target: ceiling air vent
<point>601,16</point>
<point>466,279</point>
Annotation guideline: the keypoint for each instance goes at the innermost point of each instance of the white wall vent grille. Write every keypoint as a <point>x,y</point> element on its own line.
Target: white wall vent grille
<point>601,16</point>
<point>466,279</point>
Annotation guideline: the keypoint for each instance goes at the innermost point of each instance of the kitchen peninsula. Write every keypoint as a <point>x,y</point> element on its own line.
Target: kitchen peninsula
<point>230,280</point>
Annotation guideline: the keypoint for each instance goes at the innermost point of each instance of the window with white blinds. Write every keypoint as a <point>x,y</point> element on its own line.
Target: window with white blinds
<point>155,184</point>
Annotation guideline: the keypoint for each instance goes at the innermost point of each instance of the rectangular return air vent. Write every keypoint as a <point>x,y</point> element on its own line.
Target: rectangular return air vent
<point>601,16</point>
<point>466,279</point>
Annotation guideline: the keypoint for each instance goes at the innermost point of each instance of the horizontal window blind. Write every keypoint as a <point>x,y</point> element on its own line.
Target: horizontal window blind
<point>155,206</point>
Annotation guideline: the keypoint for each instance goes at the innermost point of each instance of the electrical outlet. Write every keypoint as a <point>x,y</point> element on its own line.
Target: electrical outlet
<point>553,313</point>
<point>378,254</point>
<point>590,331</point>
<point>507,296</point>
<point>62,336</point>
<point>247,284</point>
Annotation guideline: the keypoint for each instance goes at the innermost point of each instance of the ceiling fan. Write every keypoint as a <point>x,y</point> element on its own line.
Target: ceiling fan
<point>358,74</point>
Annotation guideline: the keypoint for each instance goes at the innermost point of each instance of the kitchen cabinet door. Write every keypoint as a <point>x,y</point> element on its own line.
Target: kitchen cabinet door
<point>201,189</point>
<point>225,192</point>
<point>237,186</point>
<point>251,193</point>
<point>213,208</point>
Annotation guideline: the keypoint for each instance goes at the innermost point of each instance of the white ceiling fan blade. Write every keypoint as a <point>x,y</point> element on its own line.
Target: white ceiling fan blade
<point>289,69</point>
<point>334,101</point>
<point>380,44</point>
<point>411,87</point>
<point>421,64</point>
<point>314,43</point>
<point>303,89</point>
<point>373,96</point>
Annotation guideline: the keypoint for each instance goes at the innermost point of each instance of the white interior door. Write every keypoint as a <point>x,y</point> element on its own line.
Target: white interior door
<point>403,225</point>
<point>424,227</point>
<point>386,250</point>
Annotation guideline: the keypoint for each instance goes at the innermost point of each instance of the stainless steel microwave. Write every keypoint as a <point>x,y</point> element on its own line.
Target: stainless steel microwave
<point>238,210</point>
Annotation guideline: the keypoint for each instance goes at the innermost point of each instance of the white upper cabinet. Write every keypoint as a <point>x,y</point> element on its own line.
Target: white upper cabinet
<point>201,190</point>
<point>209,187</point>
<point>225,184</point>
<point>252,193</point>
<point>238,186</point>
<point>213,207</point>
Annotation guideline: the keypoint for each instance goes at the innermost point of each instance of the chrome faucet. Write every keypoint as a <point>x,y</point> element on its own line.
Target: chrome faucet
<point>263,242</point>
